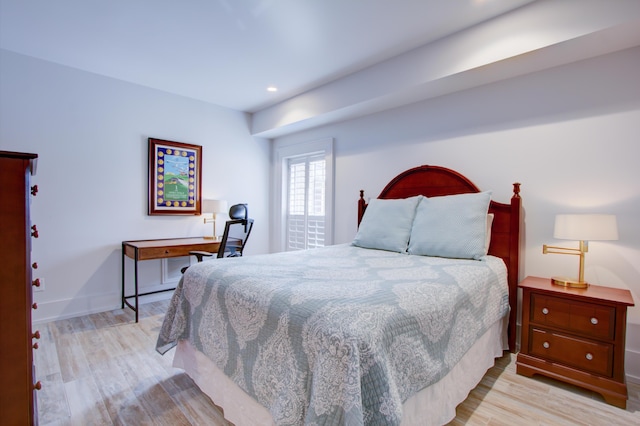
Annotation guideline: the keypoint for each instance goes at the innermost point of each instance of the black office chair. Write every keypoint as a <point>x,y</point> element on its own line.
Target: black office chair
<point>236,233</point>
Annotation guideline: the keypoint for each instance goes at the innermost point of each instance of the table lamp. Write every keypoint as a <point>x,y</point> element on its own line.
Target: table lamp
<point>214,207</point>
<point>584,228</point>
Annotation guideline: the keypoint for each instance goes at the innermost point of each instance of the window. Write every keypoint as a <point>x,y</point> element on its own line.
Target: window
<point>306,202</point>
<point>304,187</point>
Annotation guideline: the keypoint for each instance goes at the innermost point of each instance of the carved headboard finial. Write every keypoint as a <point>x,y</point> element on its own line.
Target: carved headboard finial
<point>516,189</point>
<point>362,205</point>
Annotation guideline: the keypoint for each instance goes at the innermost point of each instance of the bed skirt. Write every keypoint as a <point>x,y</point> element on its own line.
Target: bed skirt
<point>434,405</point>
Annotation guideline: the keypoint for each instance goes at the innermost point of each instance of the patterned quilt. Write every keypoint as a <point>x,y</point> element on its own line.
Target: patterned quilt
<point>336,335</point>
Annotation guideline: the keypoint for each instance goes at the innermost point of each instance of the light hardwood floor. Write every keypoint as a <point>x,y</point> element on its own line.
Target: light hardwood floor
<point>102,369</point>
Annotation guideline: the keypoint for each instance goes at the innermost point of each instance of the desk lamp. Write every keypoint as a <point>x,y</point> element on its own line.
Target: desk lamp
<point>214,207</point>
<point>584,228</point>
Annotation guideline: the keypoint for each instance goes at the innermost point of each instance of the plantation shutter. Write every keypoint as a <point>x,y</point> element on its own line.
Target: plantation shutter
<point>305,220</point>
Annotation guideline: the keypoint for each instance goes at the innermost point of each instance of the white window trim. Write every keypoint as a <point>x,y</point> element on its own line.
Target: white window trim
<point>281,154</point>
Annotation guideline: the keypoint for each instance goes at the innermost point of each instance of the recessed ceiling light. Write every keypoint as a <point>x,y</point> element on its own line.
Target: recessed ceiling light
<point>272,89</point>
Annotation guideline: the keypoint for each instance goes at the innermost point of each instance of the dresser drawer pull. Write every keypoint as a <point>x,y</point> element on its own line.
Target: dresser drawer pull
<point>546,345</point>
<point>545,311</point>
<point>38,385</point>
<point>35,345</point>
<point>34,306</point>
<point>589,356</point>
<point>36,335</point>
<point>34,233</point>
<point>34,189</point>
<point>35,265</point>
<point>36,282</point>
<point>594,320</point>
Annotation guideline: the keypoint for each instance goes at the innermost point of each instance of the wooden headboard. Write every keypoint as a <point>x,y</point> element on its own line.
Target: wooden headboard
<point>433,181</point>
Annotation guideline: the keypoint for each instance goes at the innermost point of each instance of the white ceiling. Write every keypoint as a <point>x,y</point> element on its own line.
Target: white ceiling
<point>227,52</point>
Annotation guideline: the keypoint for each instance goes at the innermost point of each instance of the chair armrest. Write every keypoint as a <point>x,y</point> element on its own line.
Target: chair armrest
<point>200,254</point>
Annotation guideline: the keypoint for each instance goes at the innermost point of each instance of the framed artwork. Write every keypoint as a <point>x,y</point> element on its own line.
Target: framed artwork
<point>175,178</point>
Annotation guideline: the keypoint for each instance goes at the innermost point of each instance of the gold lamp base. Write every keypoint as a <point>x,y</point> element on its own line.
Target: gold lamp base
<point>569,282</point>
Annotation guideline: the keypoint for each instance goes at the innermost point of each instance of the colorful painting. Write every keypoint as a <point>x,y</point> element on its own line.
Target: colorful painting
<point>175,171</point>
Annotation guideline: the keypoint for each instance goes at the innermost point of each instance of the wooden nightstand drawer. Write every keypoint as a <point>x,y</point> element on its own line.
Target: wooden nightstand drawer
<point>586,355</point>
<point>587,319</point>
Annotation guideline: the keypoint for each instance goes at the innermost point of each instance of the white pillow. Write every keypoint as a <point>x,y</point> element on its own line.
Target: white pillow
<point>453,226</point>
<point>487,241</point>
<point>386,224</point>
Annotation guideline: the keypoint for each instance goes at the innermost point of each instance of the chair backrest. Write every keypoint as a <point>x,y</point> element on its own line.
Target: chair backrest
<point>239,211</point>
<point>236,232</point>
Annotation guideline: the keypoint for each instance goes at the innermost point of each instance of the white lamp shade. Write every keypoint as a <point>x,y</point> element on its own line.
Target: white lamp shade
<point>586,227</point>
<point>214,206</point>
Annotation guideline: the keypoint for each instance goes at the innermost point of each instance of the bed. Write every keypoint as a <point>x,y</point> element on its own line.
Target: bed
<point>393,328</point>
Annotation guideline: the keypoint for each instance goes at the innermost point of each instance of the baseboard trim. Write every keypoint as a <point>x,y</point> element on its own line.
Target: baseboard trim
<point>87,305</point>
<point>632,353</point>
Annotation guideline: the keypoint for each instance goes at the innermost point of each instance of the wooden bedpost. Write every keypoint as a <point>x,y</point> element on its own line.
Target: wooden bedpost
<point>362,205</point>
<point>513,267</point>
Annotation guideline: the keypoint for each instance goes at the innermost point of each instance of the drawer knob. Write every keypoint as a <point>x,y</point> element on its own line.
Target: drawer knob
<point>35,345</point>
<point>34,265</point>
<point>34,306</point>
<point>589,356</point>
<point>36,335</point>
<point>34,232</point>
<point>36,282</point>
<point>546,345</point>
<point>545,311</point>
<point>38,385</point>
<point>34,189</point>
<point>594,320</point>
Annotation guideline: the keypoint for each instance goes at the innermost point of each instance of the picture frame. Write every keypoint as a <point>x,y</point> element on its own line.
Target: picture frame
<point>175,178</point>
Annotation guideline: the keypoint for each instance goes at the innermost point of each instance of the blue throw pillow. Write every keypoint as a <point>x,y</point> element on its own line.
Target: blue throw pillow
<point>386,224</point>
<point>453,226</point>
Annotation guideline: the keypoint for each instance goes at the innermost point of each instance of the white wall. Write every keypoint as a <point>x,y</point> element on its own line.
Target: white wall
<point>90,133</point>
<point>570,135</point>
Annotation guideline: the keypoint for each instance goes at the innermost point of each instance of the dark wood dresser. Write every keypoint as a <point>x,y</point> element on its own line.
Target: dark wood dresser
<point>575,335</point>
<point>17,393</point>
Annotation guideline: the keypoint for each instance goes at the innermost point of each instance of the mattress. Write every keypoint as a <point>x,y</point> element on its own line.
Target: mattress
<point>432,406</point>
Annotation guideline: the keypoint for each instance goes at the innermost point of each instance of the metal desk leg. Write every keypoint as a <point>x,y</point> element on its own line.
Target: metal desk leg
<point>123,256</point>
<point>136,283</point>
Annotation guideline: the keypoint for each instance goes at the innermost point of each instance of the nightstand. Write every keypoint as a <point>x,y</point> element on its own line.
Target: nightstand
<point>575,335</point>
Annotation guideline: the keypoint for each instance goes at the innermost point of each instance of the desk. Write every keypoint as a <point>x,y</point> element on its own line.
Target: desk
<point>159,249</point>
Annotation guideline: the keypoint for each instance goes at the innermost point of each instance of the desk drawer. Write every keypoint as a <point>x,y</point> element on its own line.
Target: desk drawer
<point>584,354</point>
<point>162,252</point>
